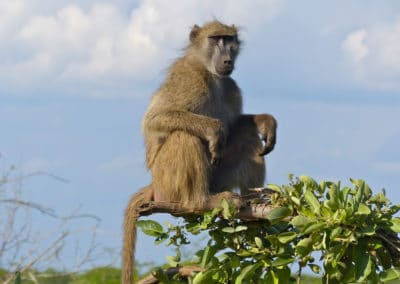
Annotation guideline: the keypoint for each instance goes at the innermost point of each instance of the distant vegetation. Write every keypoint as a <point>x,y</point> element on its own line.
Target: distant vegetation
<point>103,275</point>
<point>97,275</point>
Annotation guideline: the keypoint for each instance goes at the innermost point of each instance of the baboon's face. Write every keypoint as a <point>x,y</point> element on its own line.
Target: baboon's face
<point>224,51</point>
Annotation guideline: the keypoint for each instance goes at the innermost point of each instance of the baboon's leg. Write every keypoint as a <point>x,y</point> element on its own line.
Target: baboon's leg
<point>181,170</point>
<point>241,165</point>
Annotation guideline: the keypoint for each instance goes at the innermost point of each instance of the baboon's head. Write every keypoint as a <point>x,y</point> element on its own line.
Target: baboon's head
<point>216,45</point>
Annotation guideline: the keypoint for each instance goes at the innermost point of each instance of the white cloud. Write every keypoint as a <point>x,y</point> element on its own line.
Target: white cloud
<point>11,13</point>
<point>94,41</point>
<point>354,45</point>
<point>375,55</point>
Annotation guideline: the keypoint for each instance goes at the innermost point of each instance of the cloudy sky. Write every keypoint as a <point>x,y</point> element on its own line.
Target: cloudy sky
<point>76,77</point>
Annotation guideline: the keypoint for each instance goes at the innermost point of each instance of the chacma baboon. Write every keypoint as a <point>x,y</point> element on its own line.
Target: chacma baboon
<point>199,145</point>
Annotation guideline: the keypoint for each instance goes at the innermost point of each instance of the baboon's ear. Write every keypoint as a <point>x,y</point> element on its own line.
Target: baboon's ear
<point>194,33</point>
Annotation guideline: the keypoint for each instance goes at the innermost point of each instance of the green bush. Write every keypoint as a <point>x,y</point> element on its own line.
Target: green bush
<point>352,232</point>
<point>100,275</point>
<point>106,275</point>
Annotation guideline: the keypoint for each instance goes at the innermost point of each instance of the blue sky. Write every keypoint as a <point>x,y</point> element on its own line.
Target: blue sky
<point>76,77</point>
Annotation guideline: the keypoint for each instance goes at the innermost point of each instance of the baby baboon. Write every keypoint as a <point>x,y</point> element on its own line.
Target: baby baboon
<point>199,145</point>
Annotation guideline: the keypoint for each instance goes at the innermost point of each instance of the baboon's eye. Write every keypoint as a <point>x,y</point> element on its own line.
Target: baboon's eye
<point>228,39</point>
<point>213,40</point>
<point>221,39</point>
<point>233,48</point>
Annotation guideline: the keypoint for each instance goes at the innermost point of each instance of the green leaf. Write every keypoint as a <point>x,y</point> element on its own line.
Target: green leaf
<point>333,197</point>
<point>363,209</point>
<point>259,242</point>
<point>226,209</point>
<point>335,232</point>
<point>277,214</point>
<point>229,230</point>
<point>274,187</point>
<point>308,181</point>
<point>312,201</point>
<point>304,246</point>
<point>345,194</point>
<point>300,221</point>
<point>348,273</point>
<point>207,254</point>
<point>360,189</point>
<point>193,228</point>
<point>240,228</point>
<point>247,271</point>
<point>280,261</point>
<point>357,182</point>
<point>368,230</point>
<point>272,278</point>
<point>174,260</point>
<point>379,198</point>
<point>203,277</point>
<point>394,209</point>
<point>244,252</point>
<point>286,237</point>
<point>395,224</point>
<point>150,227</point>
<point>390,274</point>
<point>363,262</point>
<point>295,200</point>
<point>282,274</point>
<point>207,220</point>
<point>313,227</point>
<point>315,268</point>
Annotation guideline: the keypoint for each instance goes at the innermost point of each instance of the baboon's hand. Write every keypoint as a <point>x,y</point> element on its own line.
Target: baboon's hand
<point>216,138</point>
<point>266,125</point>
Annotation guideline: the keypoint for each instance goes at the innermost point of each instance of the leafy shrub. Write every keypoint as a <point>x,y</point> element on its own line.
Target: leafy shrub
<point>351,231</point>
<point>108,275</point>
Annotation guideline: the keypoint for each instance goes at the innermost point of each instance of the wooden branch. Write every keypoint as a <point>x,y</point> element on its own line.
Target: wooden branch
<point>248,212</point>
<point>257,207</point>
<point>184,271</point>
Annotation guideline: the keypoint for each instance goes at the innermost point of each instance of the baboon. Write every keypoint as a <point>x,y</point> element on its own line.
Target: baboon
<point>199,145</point>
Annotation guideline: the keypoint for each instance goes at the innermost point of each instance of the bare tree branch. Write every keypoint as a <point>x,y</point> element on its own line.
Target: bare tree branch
<point>47,211</point>
<point>40,256</point>
<point>33,174</point>
<point>21,248</point>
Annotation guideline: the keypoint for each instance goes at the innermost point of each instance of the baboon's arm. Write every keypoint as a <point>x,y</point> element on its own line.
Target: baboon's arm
<point>204,127</point>
<point>266,126</point>
<point>177,120</point>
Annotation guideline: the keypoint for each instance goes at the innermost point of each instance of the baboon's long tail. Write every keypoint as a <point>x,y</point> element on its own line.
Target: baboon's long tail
<point>131,215</point>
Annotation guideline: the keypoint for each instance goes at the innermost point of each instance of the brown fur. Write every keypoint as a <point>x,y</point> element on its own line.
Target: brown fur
<point>198,142</point>
<point>131,215</point>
